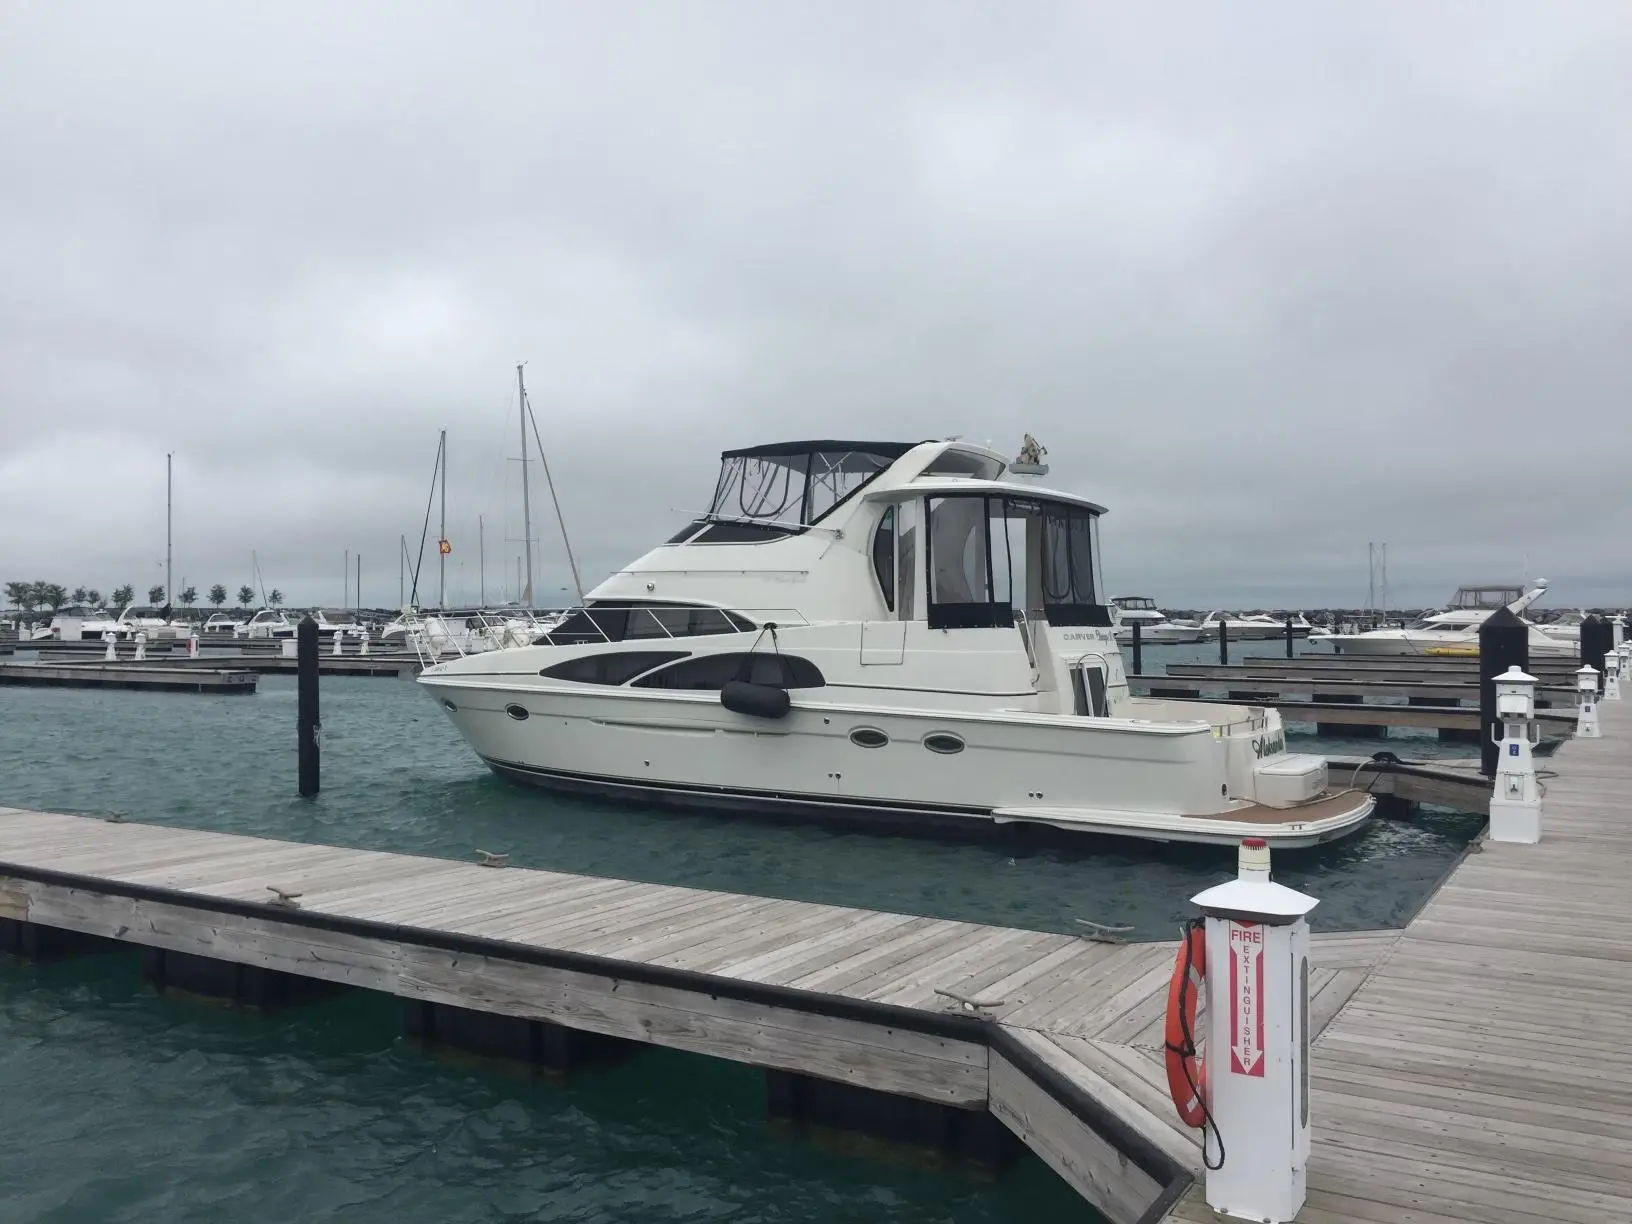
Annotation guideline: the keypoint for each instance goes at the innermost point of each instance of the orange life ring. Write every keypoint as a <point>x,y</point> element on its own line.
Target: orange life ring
<point>1184,1066</point>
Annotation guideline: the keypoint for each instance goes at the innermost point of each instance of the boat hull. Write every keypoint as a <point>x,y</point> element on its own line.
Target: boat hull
<point>934,770</point>
<point>1399,643</point>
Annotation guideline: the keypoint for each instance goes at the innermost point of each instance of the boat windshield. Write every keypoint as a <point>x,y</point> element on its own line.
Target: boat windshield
<point>1135,603</point>
<point>1487,598</point>
<point>794,484</point>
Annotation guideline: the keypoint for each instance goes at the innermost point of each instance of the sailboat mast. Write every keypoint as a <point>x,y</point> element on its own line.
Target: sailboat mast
<point>169,503</point>
<point>526,500</point>
<point>402,570</point>
<point>442,534</point>
<point>481,559</point>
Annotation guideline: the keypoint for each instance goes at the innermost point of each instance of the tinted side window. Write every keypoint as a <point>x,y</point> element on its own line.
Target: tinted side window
<point>613,667</point>
<point>622,622</point>
<point>712,672</point>
<point>743,533</point>
<point>884,557</point>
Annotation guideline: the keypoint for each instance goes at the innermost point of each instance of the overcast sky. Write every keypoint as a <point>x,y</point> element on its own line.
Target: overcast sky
<point>1269,281</point>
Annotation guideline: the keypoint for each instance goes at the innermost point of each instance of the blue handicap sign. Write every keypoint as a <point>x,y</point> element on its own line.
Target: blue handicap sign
<point>1512,750</point>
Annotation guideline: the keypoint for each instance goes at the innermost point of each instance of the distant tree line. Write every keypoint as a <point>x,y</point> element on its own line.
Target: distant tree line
<point>51,596</point>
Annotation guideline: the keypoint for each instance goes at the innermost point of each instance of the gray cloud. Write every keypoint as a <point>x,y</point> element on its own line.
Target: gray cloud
<point>1269,288</point>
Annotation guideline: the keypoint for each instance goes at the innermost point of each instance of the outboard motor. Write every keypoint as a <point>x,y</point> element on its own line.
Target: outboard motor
<point>755,700</point>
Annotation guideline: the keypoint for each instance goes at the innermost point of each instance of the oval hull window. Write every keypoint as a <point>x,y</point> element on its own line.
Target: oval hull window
<point>943,742</point>
<point>868,737</point>
<point>449,706</point>
<point>519,713</point>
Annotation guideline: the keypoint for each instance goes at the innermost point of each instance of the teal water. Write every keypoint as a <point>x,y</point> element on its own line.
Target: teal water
<point>122,1106</point>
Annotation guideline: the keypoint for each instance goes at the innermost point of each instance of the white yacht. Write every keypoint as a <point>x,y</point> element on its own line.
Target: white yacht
<point>1254,627</point>
<point>221,623</point>
<point>267,623</point>
<point>1455,631</point>
<point>76,623</point>
<point>912,633</point>
<point>331,621</point>
<point>1141,610</point>
<point>1566,627</point>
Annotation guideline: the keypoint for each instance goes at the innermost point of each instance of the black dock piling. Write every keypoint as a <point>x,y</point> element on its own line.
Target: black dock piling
<point>306,716</point>
<point>1504,641</point>
<point>254,986</point>
<point>1290,636</point>
<point>43,944</point>
<point>1223,642</point>
<point>1138,652</point>
<point>537,1043</point>
<point>1597,639</point>
<point>966,1136</point>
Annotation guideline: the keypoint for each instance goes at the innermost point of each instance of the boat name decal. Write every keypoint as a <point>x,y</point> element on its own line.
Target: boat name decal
<point>1268,745</point>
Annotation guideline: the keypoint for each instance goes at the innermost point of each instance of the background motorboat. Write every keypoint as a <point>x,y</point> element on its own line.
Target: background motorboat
<point>1455,631</point>
<point>77,623</point>
<point>268,623</point>
<point>1257,626</point>
<point>1154,627</point>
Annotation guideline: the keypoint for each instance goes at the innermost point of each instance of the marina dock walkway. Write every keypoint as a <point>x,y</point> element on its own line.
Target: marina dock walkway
<point>1482,1071</point>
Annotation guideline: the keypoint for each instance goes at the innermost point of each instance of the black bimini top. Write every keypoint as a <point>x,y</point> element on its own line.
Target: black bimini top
<point>892,450</point>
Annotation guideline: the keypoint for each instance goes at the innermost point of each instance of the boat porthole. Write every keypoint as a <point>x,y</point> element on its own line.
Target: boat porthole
<point>943,742</point>
<point>449,706</point>
<point>868,737</point>
<point>519,713</point>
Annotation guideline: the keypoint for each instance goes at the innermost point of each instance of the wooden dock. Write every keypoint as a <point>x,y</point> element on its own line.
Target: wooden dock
<point>1368,699</point>
<point>1454,784</point>
<point>1344,717</point>
<point>843,995</point>
<point>159,677</point>
<point>263,664</point>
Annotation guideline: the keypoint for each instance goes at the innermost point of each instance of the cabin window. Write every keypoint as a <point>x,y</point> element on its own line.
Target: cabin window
<point>519,713</point>
<point>743,533</point>
<point>868,737</point>
<point>713,672</point>
<point>884,557</point>
<point>618,621</point>
<point>612,667</point>
<point>963,590</point>
<point>943,742</point>
<point>989,556</point>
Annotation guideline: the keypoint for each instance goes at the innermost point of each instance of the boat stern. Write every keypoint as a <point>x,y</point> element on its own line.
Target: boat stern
<point>1259,769</point>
